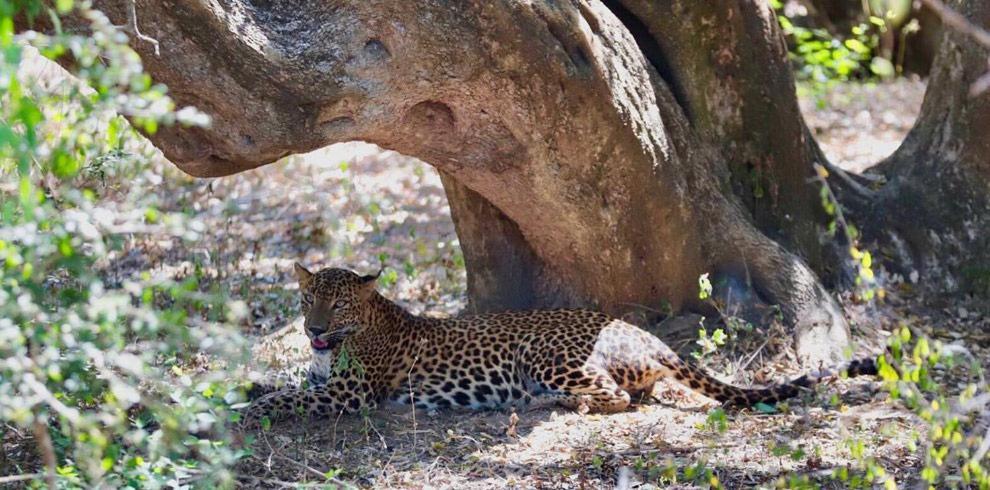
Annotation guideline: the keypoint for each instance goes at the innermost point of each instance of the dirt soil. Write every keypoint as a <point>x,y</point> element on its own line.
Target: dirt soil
<point>355,206</point>
<point>671,441</point>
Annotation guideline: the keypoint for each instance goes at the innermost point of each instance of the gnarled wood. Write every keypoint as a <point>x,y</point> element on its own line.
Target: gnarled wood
<point>933,215</point>
<point>593,154</point>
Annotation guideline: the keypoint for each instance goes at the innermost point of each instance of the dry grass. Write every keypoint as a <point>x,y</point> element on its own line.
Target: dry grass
<point>656,443</point>
<point>861,124</point>
<point>559,449</point>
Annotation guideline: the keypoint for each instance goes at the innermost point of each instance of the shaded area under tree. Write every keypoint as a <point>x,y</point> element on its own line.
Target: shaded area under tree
<point>596,154</point>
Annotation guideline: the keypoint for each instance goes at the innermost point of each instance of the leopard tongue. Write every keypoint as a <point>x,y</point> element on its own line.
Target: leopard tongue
<point>319,344</point>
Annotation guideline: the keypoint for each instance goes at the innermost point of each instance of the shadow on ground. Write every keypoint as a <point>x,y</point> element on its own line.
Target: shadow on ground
<point>672,441</point>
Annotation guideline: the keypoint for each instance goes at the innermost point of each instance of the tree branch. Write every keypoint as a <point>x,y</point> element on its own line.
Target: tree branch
<point>960,23</point>
<point>132,16</point>
<point>16,478</point>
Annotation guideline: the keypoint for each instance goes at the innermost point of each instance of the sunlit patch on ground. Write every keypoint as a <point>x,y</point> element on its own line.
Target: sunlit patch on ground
<point>355,206</point>
<point>654,444</point>
<point>858,125</point>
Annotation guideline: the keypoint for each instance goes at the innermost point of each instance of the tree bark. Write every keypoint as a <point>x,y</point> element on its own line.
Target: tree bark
<point>933,214</point>
<point>734,83</point>
<point>600,155</point>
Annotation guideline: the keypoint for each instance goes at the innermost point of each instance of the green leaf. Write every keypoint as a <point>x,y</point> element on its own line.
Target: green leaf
<point>764,408</point>
<point>857,46</point>
<point>704,286</point>
<point>6,31</point>
<point>719,337</point>
<point>882,67</point>
<point>63,6</point>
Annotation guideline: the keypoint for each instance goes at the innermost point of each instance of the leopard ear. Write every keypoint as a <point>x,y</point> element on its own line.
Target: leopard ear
<point>302,273</point>
<point>372,278</point>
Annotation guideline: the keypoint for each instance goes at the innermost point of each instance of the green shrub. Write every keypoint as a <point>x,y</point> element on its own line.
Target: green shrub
<point>98,371</point>
<point>954,449</point>
<point>821,59</point>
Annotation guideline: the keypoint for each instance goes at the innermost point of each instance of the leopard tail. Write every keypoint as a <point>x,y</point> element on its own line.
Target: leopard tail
<point>703,383</point>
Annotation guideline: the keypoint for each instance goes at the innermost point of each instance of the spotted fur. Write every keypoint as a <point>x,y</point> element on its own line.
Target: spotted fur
<point>368,349</point>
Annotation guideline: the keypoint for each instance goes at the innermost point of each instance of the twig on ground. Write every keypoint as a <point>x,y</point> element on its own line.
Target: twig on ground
<point>333,434</point>
<point>308,468</point>
<point>17,478</point>
<point>381,438</point>
<point>412,401</point>
<point>270,482</point>
<point>757,352</point>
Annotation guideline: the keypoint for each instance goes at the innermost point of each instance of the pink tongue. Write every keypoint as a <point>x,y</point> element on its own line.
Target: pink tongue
<point>320,344</point>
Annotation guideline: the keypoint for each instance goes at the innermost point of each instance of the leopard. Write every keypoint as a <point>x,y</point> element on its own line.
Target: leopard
<point>368,349</point>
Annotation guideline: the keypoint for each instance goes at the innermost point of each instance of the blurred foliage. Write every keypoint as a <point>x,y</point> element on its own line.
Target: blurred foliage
<point>823,58</point>
<point>111,378</point>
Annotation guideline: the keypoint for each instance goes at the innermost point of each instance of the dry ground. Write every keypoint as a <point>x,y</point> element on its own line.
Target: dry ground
<point>352,205</point>
<point>667,442</point>
<point>355,206</point>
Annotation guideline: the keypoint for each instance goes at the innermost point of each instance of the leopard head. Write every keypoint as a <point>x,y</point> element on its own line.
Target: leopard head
<point>333,302</point>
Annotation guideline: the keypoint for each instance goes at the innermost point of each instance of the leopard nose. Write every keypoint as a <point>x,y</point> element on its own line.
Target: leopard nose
<point>316,330</point>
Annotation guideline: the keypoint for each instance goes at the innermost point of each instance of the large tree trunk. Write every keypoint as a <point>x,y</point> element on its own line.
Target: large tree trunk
<point>934,212</point>
<point>726,64</point>
<point>593,154</point>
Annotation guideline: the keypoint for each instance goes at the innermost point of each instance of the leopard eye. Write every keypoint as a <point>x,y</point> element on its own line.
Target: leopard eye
<point>308,298</point>
<point>339,304</point>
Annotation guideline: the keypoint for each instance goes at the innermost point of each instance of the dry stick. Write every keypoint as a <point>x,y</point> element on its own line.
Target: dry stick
<point>306,467</point>
<point>753,356</point>
<point>137,32</point>
<point>44,440</point>
<point>333,437</point>
<point>959,22</point>
<point>284,484</point>
<point>17,478</point>
<point>412,401</point>
<point>381,438</point>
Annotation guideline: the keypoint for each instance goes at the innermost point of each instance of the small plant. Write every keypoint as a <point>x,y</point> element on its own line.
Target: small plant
<point>346,362</point>
<point>795,453</point>
<point>709,343</point>
<point>704,287</point>
<point>954,446</point>
<point>717,421</point>
<point>867,288</point>
<point>700,473</point>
